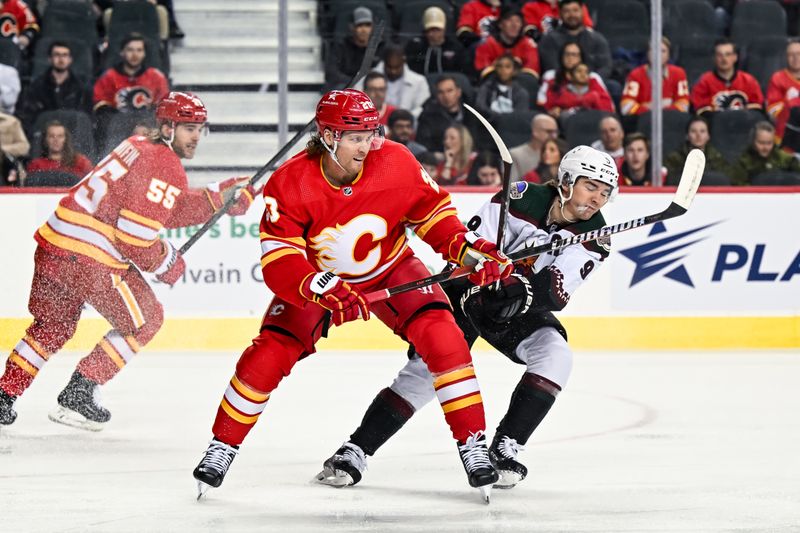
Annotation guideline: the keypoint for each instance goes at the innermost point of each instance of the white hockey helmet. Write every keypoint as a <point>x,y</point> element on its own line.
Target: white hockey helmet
<point>585,161</point>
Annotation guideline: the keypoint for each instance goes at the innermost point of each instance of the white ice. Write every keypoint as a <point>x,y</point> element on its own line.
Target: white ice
<point>698,442</point>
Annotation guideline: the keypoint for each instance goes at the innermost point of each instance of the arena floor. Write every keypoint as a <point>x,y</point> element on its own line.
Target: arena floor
<point>699,442</point>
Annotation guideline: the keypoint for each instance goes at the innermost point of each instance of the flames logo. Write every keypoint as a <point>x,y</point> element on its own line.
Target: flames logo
<point>133,98</point>
<point>336,246</point>
<point>730,100</point>
<point>8,25</point>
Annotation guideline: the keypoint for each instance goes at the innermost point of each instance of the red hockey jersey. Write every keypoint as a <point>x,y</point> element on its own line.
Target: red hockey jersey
<point>17,18</point>
<point>565,97</point>
<point>783,93</point>
<point>477,17</point>
<point>545,16</point>
<point>113,216</point>
<point>358,231</point>
<point>712,93</point>
<point>637,91</point>
<point>524,51</point>
<point>130,93</point>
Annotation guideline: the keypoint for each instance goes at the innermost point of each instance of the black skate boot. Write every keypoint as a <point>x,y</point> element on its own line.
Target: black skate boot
<point>475,456</point>
<point>503,455</point>
<point>78,407</point>
<point>7,412</point>
<point>213,466</point>
<point>343,468</point>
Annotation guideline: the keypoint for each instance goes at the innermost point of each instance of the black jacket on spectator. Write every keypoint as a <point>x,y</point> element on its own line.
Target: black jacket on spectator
<point>425,59</point>
<point>593,44</point>
<point>44,95</point>
<point>434,120</point>
<point>343,61</point>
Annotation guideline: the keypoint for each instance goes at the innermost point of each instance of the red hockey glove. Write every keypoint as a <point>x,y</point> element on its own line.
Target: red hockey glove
<point>331,292</point>
<point>172,267</point>
<point>468,249</point>
<point>220,191</point>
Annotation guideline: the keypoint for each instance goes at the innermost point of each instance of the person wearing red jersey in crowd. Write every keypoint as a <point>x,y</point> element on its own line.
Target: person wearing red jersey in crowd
<point>542,16</point>
<point>59,154</point>
<point>547,169</point>
<point>335,229</point>
<point>375,85</point>
<point>726,87</point>
<point>581,91</point>
<point>130,85</point>
<point>93,250</point>
<point>635,169</point>
<point>458,156</point>
<point>674,87</point>
<point>508,39</point>
<point>475,20</point>
<point>18,22</point>
<point>783,91</point>
<point>570,56</point>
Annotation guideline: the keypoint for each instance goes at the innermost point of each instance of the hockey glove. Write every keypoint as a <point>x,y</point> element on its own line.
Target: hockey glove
<point>468,249</point>
<point>343,300</point>
<point>172,267</point>
<point>497,305</point>
<point>219,191</point>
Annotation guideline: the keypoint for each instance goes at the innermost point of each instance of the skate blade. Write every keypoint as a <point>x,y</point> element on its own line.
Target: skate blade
<point>202,489</point>
<point>68,417</point>
<point>508,480</point>
<point>486,493</point>
<point>334,478</point>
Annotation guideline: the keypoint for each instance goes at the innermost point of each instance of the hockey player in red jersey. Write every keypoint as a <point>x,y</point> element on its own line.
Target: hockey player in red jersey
<point>333,229</point>
<point>95,245</point>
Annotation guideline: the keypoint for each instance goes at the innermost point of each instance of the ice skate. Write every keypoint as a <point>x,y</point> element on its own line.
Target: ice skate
<point>503,455</point>
<point>343,468</point>
<point>475,456</point>
<point>7,412</point>
<point>78,405</point>
<point>214,465</point>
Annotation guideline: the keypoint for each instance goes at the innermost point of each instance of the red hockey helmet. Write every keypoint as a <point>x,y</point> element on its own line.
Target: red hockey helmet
<point>347,110</point>
<point>181,107</point>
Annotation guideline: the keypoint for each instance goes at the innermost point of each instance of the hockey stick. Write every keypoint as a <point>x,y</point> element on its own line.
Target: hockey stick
<point>687,188</point>
<point>506,157</point>
<point>366,65</point>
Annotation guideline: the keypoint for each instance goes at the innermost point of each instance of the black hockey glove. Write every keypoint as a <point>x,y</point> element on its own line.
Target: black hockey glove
<point>498,303</point>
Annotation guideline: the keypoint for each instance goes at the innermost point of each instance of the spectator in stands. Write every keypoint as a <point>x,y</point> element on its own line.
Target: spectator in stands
<point>508,39</point>
<point>401,130</point>
<point>487,170</point>
<point>552,151</point>
<point>580,91</point>
<point>441,111</point>
<point>429,162</point>
<point>597,53</point>
<point>130,85</point>
<point>59,154</point>
<point>569,57</point>
<point>405,88</point>
<point>476,19</point>
<point>783,91</point>
<point>18,22</point>
<point>697,136</point>
<point>9,88</point>
<point>501,93</point>
<point>636,96</point>
<point>543,16</point>
<point>611,140</point>
<point>636,165</point>
<point>13,145</point>
<point>762,155</point>
<point>344,57</point>
<point>434,51</point>
<point>375,87</point>
<point>57,88</point>
<point>458,156</point>
<point>726,87</point>
<point>526,157</point>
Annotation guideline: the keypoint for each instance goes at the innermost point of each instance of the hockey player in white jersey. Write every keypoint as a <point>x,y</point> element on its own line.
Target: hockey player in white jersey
<point>514,316</point>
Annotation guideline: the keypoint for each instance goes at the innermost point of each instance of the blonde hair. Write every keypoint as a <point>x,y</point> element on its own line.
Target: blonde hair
<point>467,144</point>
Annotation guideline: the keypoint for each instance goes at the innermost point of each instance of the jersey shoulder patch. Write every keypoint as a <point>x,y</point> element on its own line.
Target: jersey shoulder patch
<point>530,201</point>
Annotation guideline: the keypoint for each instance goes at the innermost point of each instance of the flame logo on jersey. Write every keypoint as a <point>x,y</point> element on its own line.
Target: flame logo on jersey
<point>730,100</point>
<point>133,98</point>
<point>8,25</point>
<point>336,246</point>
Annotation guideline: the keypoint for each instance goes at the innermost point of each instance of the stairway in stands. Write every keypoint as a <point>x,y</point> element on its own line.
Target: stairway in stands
<point>229,57</point>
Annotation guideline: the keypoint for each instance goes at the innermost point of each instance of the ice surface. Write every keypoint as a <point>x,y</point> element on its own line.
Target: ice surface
<point>636,443</point>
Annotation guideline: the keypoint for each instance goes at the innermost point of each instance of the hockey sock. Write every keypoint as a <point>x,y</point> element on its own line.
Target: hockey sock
<point>532,399</point>
<point>108,357</point>
<point>384,417</point>
<point>460,398</point>
<point>25,361</point>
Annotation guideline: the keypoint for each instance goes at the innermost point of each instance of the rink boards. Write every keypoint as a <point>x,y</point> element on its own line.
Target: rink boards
<point>724,276</point>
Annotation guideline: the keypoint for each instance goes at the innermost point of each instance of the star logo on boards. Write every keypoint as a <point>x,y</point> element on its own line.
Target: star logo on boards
<point>665,253</point>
